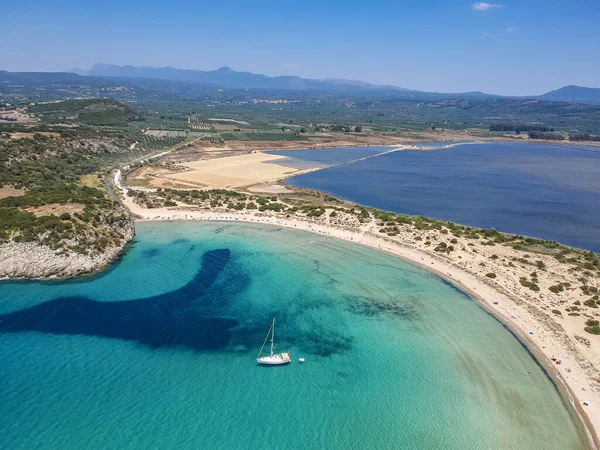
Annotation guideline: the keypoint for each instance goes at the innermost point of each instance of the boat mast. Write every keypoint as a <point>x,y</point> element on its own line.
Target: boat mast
<point>272,335</point>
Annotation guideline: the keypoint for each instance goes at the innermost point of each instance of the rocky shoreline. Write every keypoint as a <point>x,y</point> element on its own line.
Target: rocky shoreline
<point>31,260</point>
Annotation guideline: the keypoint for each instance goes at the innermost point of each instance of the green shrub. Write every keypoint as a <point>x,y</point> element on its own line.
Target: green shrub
<point>277,207</point>
<point>557,288</point>
<point>529,284</point>
<point>490,275</point>
<point>593,326</point>
<point>316,212</point>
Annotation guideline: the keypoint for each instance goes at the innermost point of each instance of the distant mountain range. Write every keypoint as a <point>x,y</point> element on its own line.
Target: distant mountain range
<point>225,77</point>
<point>228,78</point>
<point>573,94</point>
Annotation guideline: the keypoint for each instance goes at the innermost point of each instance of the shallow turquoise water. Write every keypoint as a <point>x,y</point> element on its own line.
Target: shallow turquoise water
<point>158,352</point>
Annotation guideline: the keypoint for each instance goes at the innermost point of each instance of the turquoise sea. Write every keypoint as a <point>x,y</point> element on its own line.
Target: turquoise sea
<point>159,352</point>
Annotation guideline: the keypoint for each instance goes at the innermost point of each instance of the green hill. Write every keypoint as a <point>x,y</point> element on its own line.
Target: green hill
<point>99,112</point>
<point>573,94</point>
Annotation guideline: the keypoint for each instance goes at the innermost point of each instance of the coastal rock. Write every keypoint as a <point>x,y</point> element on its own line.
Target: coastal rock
<point>32,260</point>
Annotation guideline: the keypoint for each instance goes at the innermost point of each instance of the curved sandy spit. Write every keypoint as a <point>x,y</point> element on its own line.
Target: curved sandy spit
<point>515,318</point>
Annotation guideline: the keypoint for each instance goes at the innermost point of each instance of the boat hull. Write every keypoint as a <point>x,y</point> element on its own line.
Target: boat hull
<point>275,360</point>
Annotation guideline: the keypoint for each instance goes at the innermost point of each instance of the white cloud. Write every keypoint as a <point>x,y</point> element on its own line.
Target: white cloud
<point>482,6</point>
<point>485,35</point>
<point>511,29</point>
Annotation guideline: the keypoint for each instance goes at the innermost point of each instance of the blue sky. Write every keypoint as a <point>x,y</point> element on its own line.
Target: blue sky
<point>513,47</point>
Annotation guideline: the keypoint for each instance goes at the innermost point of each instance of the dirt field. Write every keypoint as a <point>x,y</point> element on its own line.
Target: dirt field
<point>22,135</point>
<point>240,122</point>
<point>18,115</point>
<point>171,133</point>
<point>156,177</point>
<point>234,171</point>
<point>56,209</point>
<point>9,191</point>
<point>227,127</point>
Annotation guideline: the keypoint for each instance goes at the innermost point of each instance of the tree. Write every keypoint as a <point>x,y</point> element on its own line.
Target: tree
<point>358,128</point>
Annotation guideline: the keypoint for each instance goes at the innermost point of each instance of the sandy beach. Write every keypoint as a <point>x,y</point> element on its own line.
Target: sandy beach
<point>526,315</point>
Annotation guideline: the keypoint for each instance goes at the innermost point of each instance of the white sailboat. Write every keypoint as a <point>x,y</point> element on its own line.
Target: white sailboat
<point>272,359</point>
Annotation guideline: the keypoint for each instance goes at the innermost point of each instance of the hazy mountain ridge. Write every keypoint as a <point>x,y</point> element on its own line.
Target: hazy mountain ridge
<point>573,94</point>
<point>225,77</point>
<point>194,82</point>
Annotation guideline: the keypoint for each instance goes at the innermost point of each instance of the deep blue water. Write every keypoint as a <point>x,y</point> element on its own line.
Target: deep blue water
<point>544,191</point>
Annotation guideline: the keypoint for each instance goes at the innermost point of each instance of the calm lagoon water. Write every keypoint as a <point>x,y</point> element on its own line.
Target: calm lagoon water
<point>324,157</point>
<point>158,352</point>
<point>549,192</point>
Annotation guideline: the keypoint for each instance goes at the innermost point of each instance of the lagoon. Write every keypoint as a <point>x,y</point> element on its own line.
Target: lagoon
<point>543,191</point>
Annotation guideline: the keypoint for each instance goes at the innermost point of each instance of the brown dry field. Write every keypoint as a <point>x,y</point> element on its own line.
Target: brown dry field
<point>9,191</point>
<point>227,127</point>
<point>23,135</point>
<point>20,114</point>
<point>234,171</point>
<point>56,209</point>
<point>320,140</point>
<point>156,177</point>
